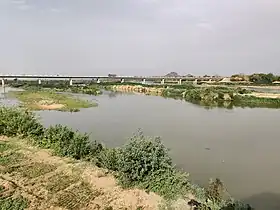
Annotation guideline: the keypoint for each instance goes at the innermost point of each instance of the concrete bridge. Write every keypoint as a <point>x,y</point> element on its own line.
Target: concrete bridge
<point>99,79</point>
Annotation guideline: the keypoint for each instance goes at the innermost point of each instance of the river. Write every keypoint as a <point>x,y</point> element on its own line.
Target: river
<point>239,146</point>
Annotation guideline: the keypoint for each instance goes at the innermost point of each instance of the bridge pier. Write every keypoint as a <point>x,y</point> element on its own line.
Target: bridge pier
<point>39,81</point>
<point>70,82</point>
<point>122,80</point>
<point>180,81</point>
<point>98,81</point>
<point>3,83</point>
<point>162,82</point>
<point>144,81</point>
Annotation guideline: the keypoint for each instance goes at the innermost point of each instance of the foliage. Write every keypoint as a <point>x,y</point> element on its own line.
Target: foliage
<point>9,203</point>
<point>253,102</point>
<point>143,156</point>
<point>66,142</point>
<point>236,205</point>
<point>169,183</point>
<point>63,86</point>
<point>15,121</point>
<point>144,162</point>
<point>263,78</point>
<point>108,158</point>
<point>215,190</point>
<point>239,78</point>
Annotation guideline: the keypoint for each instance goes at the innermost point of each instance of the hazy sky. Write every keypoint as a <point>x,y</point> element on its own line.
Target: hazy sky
<point>139,37</point>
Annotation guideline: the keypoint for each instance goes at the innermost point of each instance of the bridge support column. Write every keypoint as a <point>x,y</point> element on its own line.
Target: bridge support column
<point>162,82</point>
<point>39,81</point>
<point>70,82</point>
<point>144,81</point>
<point>98,81</point>
<point>122,80</point>
<point>3,83</point>
<point>180,81</point>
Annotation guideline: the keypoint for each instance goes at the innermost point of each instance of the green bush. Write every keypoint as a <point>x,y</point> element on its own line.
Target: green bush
<point>66,142</point>
<point>215,191</point>
<point>15,121</point>
<point>169,183</point>
<point>10,203</point>
<point>141,157</point>
<point>144,162</point>
<point>108,158</point>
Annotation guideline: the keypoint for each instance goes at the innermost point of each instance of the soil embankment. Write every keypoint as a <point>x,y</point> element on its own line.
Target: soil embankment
<point>138,89</point>
<point>35,178</point>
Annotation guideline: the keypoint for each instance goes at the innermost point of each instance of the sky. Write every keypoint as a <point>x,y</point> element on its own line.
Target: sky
<point>139,37</point>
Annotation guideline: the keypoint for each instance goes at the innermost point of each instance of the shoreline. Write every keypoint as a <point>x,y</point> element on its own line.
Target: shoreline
<point>208,96</point>
<point>168,182</point>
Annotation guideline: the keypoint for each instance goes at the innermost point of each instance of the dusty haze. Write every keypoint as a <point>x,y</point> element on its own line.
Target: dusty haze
<point>139,37</point>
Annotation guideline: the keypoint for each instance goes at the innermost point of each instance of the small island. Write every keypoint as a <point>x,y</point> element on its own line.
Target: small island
<point>50,100</point>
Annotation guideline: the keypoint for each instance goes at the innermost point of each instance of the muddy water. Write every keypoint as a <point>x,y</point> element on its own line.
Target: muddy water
<point>240,146</point>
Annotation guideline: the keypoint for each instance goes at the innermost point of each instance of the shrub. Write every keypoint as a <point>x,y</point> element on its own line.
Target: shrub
<point>108,158</point>
<point>143,156</point>
<point>66,142</point>
<point>215,190</point>
<point>236,205</point>
<point>144,162</point>
<point>168,183</point>
<point>16,121</point>
<point>18,203</point>
<point>96,148</point>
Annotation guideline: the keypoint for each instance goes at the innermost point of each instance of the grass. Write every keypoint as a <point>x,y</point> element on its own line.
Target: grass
<point>32,170</point>
<point>43,99</point>
<point>60,182</point>
<point>4,147</point>
<point>10,203</point>
<point>27,177</point>
<point>11,158</point>
<point>76,197</point>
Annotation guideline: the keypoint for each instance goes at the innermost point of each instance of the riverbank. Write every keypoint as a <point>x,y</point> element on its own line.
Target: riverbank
<point>35,179</point>
<point>50,100</point>
<point>218,96</point>
<point>155,174</point>
<point>59,86</point>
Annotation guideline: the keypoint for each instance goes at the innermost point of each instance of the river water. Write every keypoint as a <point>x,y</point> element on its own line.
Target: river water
<point>239,146</point>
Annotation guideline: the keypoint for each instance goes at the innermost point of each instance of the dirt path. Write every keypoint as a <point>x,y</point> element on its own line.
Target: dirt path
<point>34,177</point>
